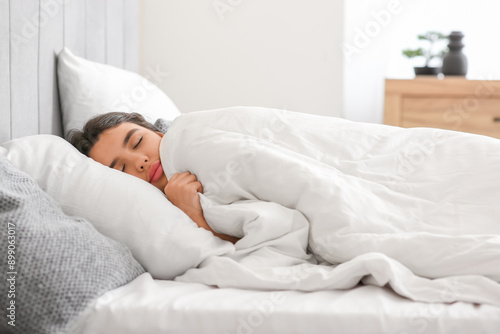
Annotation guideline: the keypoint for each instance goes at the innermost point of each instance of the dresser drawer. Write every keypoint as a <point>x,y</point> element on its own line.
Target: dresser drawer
<point>468,114</point>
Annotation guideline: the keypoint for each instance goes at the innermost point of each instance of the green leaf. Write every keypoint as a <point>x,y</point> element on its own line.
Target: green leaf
<point>411,53</point>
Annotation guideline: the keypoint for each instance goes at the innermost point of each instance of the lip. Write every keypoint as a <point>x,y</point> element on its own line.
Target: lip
<point>155,172</point>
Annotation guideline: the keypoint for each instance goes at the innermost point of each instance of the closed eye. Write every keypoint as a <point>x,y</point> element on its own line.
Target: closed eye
<point>140,140</point>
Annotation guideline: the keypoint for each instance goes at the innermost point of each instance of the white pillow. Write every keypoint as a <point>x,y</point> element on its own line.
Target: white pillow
<point>125,208</point>
<point>87,89</point>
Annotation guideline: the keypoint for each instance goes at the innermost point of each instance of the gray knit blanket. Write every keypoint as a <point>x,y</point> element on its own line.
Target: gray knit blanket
<point>53,266</point>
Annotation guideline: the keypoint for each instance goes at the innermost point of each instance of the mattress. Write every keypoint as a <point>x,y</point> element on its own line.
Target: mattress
<point>146,305</point>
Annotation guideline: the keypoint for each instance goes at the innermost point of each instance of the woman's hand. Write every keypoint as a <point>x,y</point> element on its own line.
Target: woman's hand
<point>182,191</point>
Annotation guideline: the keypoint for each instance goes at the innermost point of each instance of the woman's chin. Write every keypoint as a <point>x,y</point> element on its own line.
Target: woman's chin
<point>161,183</point>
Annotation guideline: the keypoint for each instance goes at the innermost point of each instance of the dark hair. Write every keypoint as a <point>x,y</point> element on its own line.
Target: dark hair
<point>86,139</point>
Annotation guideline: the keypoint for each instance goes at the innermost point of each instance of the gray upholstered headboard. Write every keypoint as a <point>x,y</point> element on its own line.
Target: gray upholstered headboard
<point>32,32</point>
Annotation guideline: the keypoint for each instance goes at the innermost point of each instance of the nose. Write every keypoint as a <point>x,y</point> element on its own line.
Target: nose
<point>141,163</point>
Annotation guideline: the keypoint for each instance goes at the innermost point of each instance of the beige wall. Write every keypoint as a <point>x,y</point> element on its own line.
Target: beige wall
<point>274,53</point>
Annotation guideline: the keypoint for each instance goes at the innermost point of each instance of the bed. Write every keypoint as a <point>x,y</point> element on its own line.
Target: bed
<point>98,286</point>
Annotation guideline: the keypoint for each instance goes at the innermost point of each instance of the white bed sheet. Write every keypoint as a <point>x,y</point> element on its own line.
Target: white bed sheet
<point>153,306</point>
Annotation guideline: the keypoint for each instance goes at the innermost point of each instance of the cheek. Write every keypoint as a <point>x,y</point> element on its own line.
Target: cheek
<point>138,174</point>
<point>97,155</point>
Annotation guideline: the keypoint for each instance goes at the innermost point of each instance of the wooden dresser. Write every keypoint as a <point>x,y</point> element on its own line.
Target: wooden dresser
<point>450,103</point>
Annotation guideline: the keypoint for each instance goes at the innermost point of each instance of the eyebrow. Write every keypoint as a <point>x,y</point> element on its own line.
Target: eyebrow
<point>125,142</point>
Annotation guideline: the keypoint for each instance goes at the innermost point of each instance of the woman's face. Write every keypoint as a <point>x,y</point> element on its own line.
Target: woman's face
<point>132,149</point>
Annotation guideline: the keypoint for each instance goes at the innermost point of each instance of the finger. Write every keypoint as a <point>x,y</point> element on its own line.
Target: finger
<point>189,178</point>
<point>174,177</point>
<point>179,178</point>
<point>199,186</point>
<point>184,175</point>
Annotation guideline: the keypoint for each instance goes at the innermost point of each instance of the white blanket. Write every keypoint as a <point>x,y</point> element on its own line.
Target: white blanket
<point>413,208</point>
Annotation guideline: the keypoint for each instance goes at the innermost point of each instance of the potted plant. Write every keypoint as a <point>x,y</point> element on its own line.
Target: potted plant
<point>430,52</point>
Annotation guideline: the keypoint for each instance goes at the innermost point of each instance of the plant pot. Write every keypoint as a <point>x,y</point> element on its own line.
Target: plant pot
<point>427,70</point>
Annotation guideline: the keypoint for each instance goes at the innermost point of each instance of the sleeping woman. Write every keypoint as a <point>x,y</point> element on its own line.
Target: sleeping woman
<point>127,142</point>
<point>423,197</point>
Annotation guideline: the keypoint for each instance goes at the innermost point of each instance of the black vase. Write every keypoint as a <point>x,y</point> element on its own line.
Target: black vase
<point>455,62</point>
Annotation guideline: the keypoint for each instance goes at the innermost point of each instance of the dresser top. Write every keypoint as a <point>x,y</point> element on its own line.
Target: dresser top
<point>458,86</point>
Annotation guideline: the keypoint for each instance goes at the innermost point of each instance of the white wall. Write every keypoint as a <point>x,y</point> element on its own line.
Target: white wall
<point>379,55</point>
<point>302,55</point>
<point>273,53</point>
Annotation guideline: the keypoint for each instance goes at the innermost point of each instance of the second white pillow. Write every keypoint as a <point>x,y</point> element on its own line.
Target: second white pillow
<point>87,89</point>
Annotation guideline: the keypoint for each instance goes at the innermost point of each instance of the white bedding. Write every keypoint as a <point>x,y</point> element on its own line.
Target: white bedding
<point>150,306</point>
<point>413,208</point>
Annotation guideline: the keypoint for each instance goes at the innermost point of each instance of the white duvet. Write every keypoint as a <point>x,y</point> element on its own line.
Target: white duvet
<point>325,203</point>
